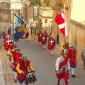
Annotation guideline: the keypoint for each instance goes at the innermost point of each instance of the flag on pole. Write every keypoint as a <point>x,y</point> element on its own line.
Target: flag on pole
<point>19,20</point>
<point>61,22</point>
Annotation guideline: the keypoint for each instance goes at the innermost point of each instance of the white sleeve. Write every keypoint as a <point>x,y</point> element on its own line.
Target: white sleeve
<point>57,63</point>
<point>68,65</point>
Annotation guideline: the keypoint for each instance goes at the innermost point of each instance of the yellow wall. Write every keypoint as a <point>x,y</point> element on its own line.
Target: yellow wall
<point>78,13</point>
<point>46,13</point>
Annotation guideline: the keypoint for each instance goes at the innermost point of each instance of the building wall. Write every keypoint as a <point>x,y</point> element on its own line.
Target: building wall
<point>16,4</point>
<point>4,15</point>
<point>77,35</point>
<point>61,5</point>
<point>76,30</point>
<point>45,13</point>
<point>26,10</point>
<point>16,8</point>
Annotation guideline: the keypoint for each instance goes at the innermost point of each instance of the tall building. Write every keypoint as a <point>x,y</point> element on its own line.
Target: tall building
<point>26,11</point>
<point>4,15</point>
<point>16,8</point>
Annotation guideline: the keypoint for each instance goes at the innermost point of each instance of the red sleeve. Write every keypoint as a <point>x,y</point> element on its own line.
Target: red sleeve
<point>64,62</point>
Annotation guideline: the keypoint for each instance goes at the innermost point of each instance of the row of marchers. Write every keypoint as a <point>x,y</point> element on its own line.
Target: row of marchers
<point>21,66</point>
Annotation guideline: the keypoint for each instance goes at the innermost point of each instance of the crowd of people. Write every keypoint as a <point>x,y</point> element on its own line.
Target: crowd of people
<point>20,64</point>
<point>47,40</point>
<point>66,62</point>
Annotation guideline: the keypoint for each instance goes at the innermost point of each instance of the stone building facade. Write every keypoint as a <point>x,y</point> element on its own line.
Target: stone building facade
<point>76,30</point>
<point>4,15</point>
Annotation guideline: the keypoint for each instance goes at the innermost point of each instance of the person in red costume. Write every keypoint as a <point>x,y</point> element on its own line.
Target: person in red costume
<point>12,46</point>
<point>40,37</point>
<point>28,68</point>
<point>72,55</point>
<point>51,44</point>
<point>44,39</point>
<point>13,58</point>
<point>62,67</point>
<point>21,71</point>
<point>22,68</point>
<point>12,51</point>
<point>73,61</point>
<point>7,42</point>
<point>26,36</point>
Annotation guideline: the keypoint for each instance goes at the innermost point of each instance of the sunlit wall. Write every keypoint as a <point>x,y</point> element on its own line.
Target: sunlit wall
<point>78,11</point>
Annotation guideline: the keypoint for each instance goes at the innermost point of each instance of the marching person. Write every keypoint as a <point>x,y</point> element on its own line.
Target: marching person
<point>15,56</point>
<point>72,58</point>
<point>63,67</point>
<point>40,37</point>
<point>7,42</point>
<point>11,50</point>
<point>21,71</point>
<point>44,39</point>
<point>65,47</point>
<point>28,68</point>
<point>9,31</point>
<point>73,61</point>
<point>14,63</point>
<point>26,35</point>
<point>83,57</point>
<point>51,44</point>
<point>20,67</point>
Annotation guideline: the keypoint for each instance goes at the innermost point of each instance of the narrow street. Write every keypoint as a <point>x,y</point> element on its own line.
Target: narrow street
<point>43,64</point>
<point>59,24</point>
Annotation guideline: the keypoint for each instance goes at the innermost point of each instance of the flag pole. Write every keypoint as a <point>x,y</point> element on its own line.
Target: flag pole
<point>65,20</point>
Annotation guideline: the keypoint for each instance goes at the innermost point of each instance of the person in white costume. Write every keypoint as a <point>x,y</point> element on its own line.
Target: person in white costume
<point>62,67</point>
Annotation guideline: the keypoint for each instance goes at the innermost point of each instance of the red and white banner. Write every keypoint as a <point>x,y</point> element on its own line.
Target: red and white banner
<point>61,22</point>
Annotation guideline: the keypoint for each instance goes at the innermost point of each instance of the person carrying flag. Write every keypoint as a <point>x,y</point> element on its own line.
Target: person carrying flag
<point>62,67</point>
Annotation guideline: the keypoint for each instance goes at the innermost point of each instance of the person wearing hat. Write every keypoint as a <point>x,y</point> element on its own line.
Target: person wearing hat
<point>22,68</point>
<point>72,55</point>
<point>31,77</point>
<point>27,62</point>
<point>62,67</point>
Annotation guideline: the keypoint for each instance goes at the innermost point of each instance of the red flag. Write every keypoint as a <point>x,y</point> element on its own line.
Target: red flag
<point>61,22</point>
